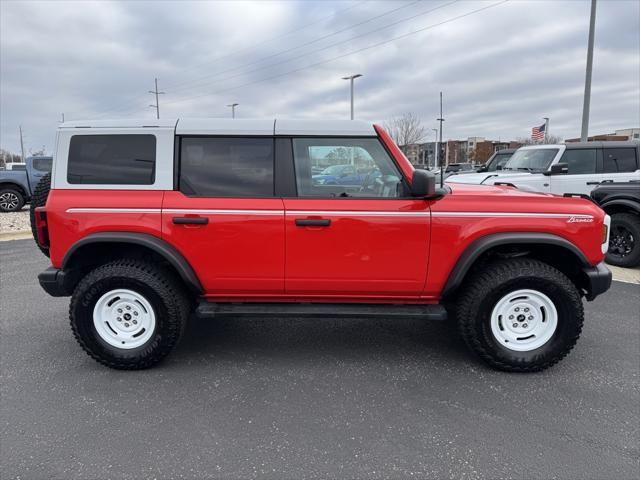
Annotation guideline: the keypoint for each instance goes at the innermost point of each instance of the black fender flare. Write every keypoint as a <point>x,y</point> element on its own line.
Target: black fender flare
<point>483,244</point>
<point>622,202</point>
<point>157,245</point>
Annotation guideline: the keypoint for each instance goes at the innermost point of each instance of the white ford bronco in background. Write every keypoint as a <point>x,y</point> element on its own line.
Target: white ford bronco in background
<point>568,168</point>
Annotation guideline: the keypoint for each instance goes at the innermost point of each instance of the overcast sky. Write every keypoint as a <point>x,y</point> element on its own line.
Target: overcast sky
<point>501,69</point>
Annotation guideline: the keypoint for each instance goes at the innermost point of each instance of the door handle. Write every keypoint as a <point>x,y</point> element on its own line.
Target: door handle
<point>593,183</point>
<point>324,222</point>
<point>190,220</point>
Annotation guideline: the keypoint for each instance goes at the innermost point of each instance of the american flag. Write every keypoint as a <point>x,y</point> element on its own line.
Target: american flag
<point>537,133</point>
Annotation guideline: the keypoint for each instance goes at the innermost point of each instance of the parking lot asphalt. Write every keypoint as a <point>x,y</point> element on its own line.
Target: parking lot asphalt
<point>301,398</point>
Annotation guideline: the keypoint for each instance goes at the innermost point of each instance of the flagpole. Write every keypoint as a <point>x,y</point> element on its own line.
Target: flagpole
<point>546,128</point>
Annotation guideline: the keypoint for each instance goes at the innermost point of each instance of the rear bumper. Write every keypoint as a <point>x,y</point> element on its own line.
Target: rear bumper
<point>598,280</point>
<point>55,282</point>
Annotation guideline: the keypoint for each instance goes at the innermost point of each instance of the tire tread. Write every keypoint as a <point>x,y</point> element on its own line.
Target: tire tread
<point>175,298</point>
<point>482,282</point>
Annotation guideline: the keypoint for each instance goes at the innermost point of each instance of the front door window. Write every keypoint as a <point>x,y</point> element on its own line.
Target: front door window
<point>347,167</point>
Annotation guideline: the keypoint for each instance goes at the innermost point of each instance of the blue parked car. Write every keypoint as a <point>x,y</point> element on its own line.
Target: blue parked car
<point>339,175</point>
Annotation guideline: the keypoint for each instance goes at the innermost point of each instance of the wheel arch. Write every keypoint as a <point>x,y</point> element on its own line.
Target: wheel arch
<point>621,205</point>
<point>550,248</point>
<point>108,245</point>
<point>14,186</point>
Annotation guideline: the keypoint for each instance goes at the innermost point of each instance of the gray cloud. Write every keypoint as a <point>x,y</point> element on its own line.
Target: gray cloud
<point>501,70</point>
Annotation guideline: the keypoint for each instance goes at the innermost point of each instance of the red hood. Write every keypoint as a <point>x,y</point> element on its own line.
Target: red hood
<point>491,198</point>
<point>492,190</point>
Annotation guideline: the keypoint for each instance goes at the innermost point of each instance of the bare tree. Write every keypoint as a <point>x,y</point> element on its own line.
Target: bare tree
<point>406,129</point>
<point>8,157</point>
<point>551,139</point>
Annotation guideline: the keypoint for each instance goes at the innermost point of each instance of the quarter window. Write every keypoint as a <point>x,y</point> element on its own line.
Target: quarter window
<point>112,159</point>
<point>345,167</point>
<point>226,167</point>
<point>580,161</point>
<point>619,160</point>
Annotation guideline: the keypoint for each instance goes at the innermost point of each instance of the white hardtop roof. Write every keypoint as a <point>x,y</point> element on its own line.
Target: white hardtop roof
<point>121,123</point>
<point>238,126</point>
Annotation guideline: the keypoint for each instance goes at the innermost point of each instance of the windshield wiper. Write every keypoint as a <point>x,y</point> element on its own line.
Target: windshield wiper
<point>526,169</point>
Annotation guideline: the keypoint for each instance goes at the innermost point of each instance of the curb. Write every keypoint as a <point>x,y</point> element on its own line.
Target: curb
<point>21,235</point>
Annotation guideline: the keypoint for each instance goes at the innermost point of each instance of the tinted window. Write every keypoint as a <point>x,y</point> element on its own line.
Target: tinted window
<point>344,167</point>
<point>42,164</point>
<point>112,159</point>
<point>580,161</point>
<point>536,160</point>
<point>499,161</point>
<point>226,167</point>
<point>619,160</point>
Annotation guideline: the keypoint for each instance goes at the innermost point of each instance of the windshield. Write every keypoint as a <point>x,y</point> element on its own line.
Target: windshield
<point>498,161</point>
<point>531,160</point>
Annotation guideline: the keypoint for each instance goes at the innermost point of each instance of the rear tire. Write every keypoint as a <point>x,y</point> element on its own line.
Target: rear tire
<point>39,199</point>
<point>493,322</point>
<point>128,314</point>
<point>11,200</point>
<point>624,241</point>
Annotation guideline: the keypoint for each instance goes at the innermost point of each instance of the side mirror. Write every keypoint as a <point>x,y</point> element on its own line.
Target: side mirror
<point>423,184</point>
<point>499,167</point>
<point>559,169</point>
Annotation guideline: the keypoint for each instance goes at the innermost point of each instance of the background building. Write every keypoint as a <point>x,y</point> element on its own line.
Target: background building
<point>421,153</point>
<point>476,150</point>
<point>624,134</point>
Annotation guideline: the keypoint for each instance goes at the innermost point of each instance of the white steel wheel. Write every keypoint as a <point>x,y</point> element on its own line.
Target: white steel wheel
<point>524,320</point>
<point>124,319</point>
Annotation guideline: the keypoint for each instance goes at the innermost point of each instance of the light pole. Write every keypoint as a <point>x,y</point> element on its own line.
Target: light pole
<point>351,78</point>
<point>584,134</point>
<point>233,109</point>
<point>436,149</point>
<point>441,119</point>
<point>156,93</point>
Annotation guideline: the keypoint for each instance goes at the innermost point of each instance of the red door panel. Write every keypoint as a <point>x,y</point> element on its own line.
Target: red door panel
<point>365,248</point>
<point>235,246</point>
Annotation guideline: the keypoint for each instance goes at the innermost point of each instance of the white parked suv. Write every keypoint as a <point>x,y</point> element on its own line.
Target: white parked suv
<point>569,168</point>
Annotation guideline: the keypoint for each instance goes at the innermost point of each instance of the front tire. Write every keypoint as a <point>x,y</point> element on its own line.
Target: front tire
<point>128,314</point>
<point>520,315</point>
<point>624,241</point>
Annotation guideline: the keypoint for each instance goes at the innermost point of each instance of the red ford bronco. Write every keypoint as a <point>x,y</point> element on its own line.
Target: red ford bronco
<point>148,221</point>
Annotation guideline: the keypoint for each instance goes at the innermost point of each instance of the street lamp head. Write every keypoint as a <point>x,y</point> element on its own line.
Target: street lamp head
<point>233,105</point>
<point>351,77</point>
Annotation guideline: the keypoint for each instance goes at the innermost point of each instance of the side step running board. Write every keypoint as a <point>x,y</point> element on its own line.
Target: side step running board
<point>427,312</point>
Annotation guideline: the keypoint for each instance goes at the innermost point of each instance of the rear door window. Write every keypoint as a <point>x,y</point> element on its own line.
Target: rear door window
<point>227,167</point>
<point>618,160</point>
<point>112,159</point>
